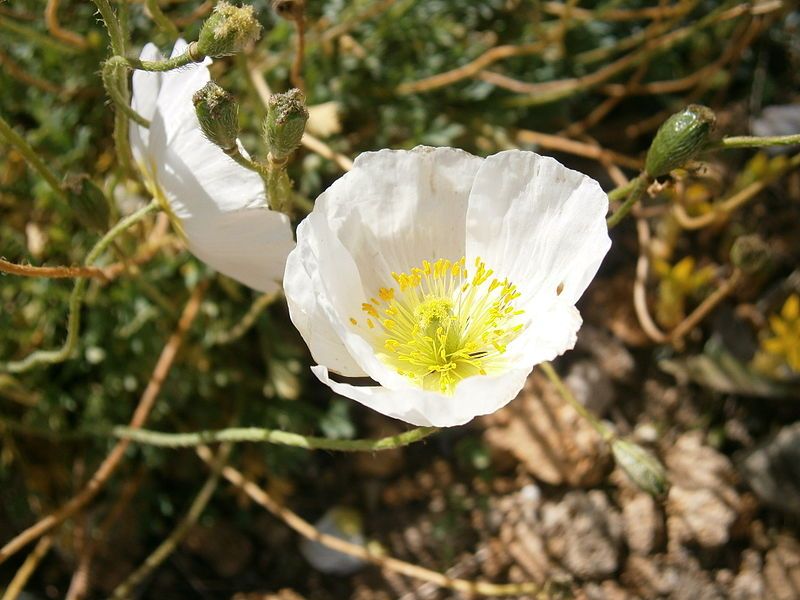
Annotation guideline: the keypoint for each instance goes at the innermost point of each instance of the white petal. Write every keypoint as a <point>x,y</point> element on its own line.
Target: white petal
<point>145,86</point>
<point>539,224</point>
<point>306,312</point>
<point>474,396</point>
<point>250,246</point>
<point>396,208</point>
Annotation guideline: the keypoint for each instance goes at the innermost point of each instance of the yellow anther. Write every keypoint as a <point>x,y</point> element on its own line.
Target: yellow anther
<point>440,326</point>
<point>353,321</point>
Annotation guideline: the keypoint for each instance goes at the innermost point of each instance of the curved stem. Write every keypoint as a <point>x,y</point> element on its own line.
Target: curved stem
<point>111,75</point>
<point>76,299</point>
<point>243,326</point>
<point>271,436</point>
<point>16,140</point>
<point>639,187</point>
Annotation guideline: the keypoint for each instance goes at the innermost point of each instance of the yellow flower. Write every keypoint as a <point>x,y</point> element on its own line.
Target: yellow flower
<point>785,343</point>
<point>678,282</point>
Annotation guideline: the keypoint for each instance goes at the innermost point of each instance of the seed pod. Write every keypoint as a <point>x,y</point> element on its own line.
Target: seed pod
<point>88,202</point>
<point>285,123</point>
<point>679,139</point>
<point>218,114</point>
<point>228,30</point>
<point>644,469</point>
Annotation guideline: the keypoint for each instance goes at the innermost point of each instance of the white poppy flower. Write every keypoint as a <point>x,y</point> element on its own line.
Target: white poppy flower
<point>444,277</point>
<point>218,206</point>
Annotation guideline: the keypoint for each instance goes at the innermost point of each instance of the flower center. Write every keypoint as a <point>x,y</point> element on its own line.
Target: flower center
<point>442,323</point>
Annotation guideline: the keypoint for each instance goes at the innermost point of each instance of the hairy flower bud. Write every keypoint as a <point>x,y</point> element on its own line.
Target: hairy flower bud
<point>218,114</point>
<point>644,469</point>
<point>679,139</point>
<point>228,30</point>
<point>285,123</point>
<point>88,202</point>
<point>750,253</point>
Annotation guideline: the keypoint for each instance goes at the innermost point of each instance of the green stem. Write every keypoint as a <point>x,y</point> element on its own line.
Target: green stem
<point>750,141</point>
<point>168,64</point>
<point>638,188</point>
<point>247,163</point>
<point>160,19</point>
<point>604,431</point>
<point>280,196</point>
<point>622,191</point>
<point>76,300</point>
<point>169,545</point>
<point>117,84</point>
<point>247,321</point>
<point>113,26</point>
<point>270,436</point>
<point>12,137</point>
<point>111,74</point>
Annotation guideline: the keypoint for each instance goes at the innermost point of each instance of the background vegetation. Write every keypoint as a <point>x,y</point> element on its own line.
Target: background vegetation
<point>687,351</point>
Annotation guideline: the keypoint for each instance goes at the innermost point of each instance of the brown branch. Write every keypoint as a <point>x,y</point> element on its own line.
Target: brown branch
<point>53,272</point>
<point>113,459</point>
<point>24,573</point>
<point>583,14</point>
<point>105,274</point>
<point>58,32</point>
<point>705,307</point>
<point>307,530</point>
<point>201,11</point>
<point>471,68</point>
<point>554,142</point>
<point>340,29</point>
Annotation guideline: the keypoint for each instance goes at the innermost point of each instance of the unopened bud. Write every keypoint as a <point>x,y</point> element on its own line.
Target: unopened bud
<point>218,114</point>
<point>679,139</point>
<point>750,253</point>
<point>644,469</point>
<point>88,202</point>
<point>228,30</point>
<point>285,123</point>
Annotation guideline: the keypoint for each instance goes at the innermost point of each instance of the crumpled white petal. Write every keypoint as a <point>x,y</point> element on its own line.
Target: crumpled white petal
<point>220,206</point>
<point>528,217</point>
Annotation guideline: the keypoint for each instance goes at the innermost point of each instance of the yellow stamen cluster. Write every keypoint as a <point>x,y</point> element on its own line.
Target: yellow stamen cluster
<point>442,323</point>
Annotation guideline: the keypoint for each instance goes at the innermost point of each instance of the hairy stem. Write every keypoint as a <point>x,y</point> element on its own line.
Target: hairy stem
<point>271,436</point>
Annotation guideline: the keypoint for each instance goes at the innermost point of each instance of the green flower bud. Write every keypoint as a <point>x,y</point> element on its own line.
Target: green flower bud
<point>750,253</point>
<point>679,139</point>
<point>218,114</point>
<point>644,469</point>
<point>228,30</point>
<point>285,123</point>
<point>88,202</point>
